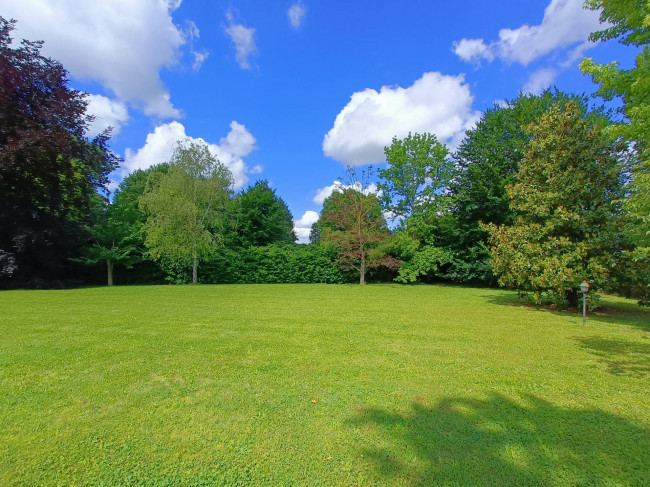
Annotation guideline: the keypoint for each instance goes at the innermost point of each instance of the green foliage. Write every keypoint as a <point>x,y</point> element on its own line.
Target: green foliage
<point>185,208</point>
<point>418,172</point>
<point>353,223</point>
<point>273,264</point>
<point>260,217</point>
<point>629,22</point>
<point>418,260</point>
<point>49,171</point>
<point>486,163</point>
<point>568,227</point>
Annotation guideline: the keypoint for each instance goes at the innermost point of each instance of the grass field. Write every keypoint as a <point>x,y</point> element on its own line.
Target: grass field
<point>319,385</point>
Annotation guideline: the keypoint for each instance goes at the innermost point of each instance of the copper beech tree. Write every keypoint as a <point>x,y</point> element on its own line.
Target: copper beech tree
<point>353,222</point>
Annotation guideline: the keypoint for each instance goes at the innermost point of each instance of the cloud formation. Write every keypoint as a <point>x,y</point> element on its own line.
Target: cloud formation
<point>323,193</point>
<point>539,81</point>
<point>302,227</point>
<point>107,113</point>
<point>160,143</point>
<point>435,103</point>
<point>566,22</point>
<point>244,40</point>
<point>296,12</point>
<point>121,44</point>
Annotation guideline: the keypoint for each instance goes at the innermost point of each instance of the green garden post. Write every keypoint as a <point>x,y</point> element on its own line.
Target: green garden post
<point>584,287</point>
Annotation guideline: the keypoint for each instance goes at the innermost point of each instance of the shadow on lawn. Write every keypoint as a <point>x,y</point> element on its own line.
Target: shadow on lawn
<point>627,313</point>
<point>498,441</point>
<point>619,356</point>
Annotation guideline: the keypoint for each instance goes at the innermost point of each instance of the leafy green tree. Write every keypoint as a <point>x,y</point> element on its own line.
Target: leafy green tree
<point>417,174</point>
<point>414,187</point>
<point>486,163</point>
<point>629,22</point>
<point>261,218</point>
<point>116,231</point>
<point>352,222</point>
<point>185,208</point>
<point>49,171</point>
<point>568,224</point>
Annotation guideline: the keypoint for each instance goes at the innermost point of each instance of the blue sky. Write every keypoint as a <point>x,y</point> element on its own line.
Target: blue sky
<point>289,91</point>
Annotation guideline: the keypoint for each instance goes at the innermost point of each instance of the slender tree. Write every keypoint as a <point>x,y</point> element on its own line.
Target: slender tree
<point>352,221</point>
<point>185,207</point>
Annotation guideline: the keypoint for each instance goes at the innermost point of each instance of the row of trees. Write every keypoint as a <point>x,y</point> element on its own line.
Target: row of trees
<point>544,192</point>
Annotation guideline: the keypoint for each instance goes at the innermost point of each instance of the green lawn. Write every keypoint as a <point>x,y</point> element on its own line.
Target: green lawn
<point>319,385</point>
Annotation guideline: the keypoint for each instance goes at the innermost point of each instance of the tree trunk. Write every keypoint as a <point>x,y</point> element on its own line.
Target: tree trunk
<point>194,269</point>
<point>109,271</point>
<point>572,297</point>
<point>362,271</point>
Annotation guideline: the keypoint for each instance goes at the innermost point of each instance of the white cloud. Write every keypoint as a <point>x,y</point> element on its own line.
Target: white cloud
<point>256,169</point>
<point>539,81</point>
<point>160,144</point>
<point>435,103</point>
<point>473,50</point>
<point>296,12</point>
<point>565,23</point>
<point>199,59</point>
<point>323,193</point>
<point>120,44</point>
<point>302,227</point>
<point>107,113</point>
<point>244,40</point>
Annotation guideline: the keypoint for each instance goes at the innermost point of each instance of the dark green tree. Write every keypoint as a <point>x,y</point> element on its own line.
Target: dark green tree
<point>260,217</point>
<point>49,170</point>
<point>486,163</point>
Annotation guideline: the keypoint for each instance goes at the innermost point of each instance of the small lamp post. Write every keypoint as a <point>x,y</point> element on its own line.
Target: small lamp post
<point>584,287</point>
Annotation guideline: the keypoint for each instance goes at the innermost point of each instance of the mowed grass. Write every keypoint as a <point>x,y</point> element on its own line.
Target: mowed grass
<point>319,385</point>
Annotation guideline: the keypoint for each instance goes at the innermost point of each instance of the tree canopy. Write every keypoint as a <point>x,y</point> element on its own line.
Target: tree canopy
<point>49,170</point>
<point>566,198</point>
<point>261,218</point>
<point>185,207</point>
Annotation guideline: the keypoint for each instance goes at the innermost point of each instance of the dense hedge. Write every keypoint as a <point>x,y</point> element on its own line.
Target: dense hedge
<point>279,263</point>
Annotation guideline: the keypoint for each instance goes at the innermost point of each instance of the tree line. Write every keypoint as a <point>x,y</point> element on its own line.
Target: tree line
<point>544,192</point>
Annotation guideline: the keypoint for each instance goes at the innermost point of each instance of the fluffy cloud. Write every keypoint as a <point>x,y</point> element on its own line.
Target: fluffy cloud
<point>435,103</point>
<point>302,227</point>
<point>323,193</point>
<point>120,44</point>
<point>107,113</point>
<point>565,22</point>
<point>244,40</point>
<point>160,144</point>
<point>539,81</point>
<point>296,12</point>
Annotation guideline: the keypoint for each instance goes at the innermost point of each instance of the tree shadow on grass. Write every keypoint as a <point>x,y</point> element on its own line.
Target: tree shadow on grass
<point>501,442</point>
<point>620,357</point>
<point>628,312</point>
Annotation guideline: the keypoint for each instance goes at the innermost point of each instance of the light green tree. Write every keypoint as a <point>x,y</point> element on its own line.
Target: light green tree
<point>629,22</point>
<point>185,207</point>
